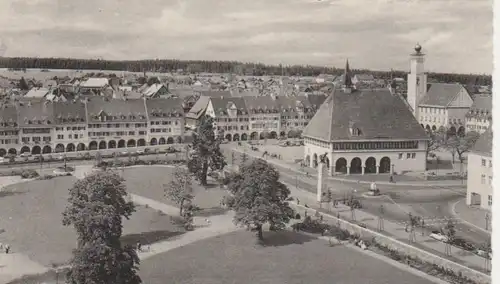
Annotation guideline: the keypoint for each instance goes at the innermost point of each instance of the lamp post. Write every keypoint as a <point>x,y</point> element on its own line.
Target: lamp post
<point>381,218</point>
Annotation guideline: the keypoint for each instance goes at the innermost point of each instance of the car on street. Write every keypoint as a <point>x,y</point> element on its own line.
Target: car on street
<point>438,236</point>
<point>25,154</point>
<point>61,157</point>
<point>140,152</point>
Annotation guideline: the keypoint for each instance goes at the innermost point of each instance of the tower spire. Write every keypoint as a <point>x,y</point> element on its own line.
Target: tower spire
<point>347,78</point>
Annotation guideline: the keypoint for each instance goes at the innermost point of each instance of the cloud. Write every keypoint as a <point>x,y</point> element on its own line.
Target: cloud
<point>377,34</point>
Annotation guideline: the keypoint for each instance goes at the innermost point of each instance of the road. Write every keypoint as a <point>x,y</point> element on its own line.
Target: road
<point>433,204</point>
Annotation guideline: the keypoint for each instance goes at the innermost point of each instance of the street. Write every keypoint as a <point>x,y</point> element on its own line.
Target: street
<point>431,203</point>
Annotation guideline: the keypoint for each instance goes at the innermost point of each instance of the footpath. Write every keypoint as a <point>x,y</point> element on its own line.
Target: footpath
<point>351,179</point>
<point>473,216</point>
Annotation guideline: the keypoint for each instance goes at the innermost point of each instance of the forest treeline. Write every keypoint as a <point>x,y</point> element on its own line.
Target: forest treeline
<point>198,66</point>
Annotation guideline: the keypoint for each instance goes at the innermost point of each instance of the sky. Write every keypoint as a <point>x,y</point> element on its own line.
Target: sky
<point>456,35</point>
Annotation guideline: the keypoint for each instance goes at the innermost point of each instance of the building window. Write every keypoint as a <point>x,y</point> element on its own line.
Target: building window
<point>408,155</point>
<point>490,200</point>
<point>413,155</point>
<point>483,179</point>
<point>490,180</point>
<point>400,156</point>
<point>483,162</point>
<point>490,165</point>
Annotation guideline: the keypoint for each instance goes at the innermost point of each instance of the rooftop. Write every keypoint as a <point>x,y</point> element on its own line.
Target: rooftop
<point>484,145</point>
<point>377,114</point>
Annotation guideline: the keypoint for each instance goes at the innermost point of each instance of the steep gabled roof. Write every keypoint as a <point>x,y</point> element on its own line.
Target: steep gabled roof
<point>69,112</point>
<point>441,94</point>
<point>120,110</point>
<point>164,107</point>
<point>484,145</point>
<point>221,104</point>
<point>378,114</point>
<point>199,107</point>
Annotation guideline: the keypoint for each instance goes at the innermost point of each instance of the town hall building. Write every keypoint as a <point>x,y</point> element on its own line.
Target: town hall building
<point>365,132</point>
<point>437,106</point>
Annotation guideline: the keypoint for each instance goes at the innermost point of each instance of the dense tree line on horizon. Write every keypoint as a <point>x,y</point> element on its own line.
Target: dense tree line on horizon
<point>198,66</point>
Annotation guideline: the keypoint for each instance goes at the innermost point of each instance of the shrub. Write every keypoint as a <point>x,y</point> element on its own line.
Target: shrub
<point>46,177</point>
<point>26,174</point>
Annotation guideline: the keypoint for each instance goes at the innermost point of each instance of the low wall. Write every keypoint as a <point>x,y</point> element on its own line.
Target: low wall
<point>406,249</point>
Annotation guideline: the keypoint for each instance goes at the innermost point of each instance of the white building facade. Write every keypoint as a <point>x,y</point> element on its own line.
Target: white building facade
<point>480,173</point>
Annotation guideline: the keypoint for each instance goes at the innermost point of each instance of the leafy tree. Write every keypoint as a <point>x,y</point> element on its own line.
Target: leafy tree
<point>259,197</point>
<point>153,80</point>
<point>142,80</point>
<point>23,85</point>
<point>180,189</point>
<point>437,140</point>
<point>244,159</point>
<point>96,206</point>
<point>206,151</point>
<point>460,145</point>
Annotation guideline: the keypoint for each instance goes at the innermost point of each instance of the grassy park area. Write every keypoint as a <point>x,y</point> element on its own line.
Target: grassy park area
<point>286,257</point>
<point>149,182</point>
<point>32,220</point>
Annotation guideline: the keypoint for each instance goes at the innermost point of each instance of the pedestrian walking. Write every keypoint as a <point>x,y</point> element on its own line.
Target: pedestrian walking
<point>7,248</point>
<point>298,201</point>
<point>139,246</point>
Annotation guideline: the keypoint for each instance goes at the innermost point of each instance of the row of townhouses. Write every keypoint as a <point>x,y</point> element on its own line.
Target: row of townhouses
<point>256,117</point>
<point>96,123</point>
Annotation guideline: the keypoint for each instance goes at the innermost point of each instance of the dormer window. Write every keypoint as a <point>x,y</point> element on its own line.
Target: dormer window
<point>355,131</point>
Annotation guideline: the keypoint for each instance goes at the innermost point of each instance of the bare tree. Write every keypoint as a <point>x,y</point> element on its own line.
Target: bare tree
<point>180,189</point>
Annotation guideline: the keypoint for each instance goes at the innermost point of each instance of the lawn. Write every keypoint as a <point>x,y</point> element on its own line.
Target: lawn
<point>32,219</point>
<point>287,258</point>
<point>149,181</point>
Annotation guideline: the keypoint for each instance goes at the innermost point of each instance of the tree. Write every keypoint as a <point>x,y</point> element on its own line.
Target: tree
<point>451,233</point>
<point>96,206</point>
<point>460,145</point>
<point>180,189</point>
<point>244,159</point>
<point>23,85</point>
<point>259,197</point>
<point>437,140</point>
<point>206,152</point>
<point>153,80</point>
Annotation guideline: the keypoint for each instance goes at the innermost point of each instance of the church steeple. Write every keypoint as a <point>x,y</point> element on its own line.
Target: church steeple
<point>347,78</point>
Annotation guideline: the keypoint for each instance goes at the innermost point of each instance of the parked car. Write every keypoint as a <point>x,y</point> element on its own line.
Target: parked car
<point>25,154</point>
<point>482,253</point>
<point>61,157</point>
<point>438,236</point>
<point>170,150</point>
<point>140,152</point>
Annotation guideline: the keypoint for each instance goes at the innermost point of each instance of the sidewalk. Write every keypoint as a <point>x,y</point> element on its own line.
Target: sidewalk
<point>473,216</point>
<point>392,229</point>
<point>353,178</point>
